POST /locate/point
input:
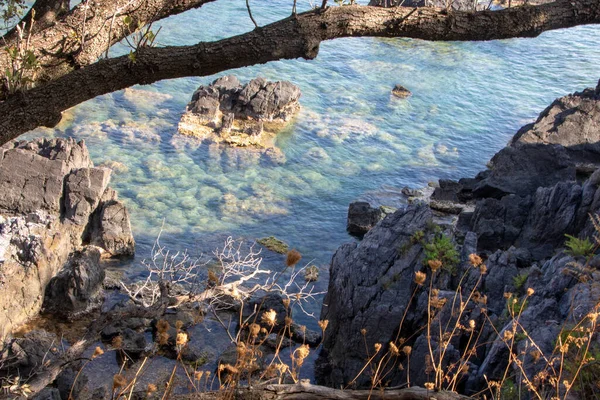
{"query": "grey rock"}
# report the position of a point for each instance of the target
(75, 288)
(362, 217)
(83, 189)
(365, 279)
(48, 393)
(111, 229)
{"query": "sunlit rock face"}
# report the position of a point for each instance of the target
(240, 115)
(53, 204)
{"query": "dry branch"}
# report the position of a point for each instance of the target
(304, 391)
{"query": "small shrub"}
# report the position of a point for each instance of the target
(579, 247)
(441, 248)
(519, 280)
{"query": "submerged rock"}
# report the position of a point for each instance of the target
(274, 244)
(240, 115)
(401, 92)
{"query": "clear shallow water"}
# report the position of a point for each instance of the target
(351, 140)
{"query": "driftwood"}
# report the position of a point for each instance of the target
(303, 391)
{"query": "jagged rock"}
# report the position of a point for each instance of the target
(362, 217)
(112, 229)
(29, 353)
(356, 298)
(49, 189)
(75, 288)
(543, 185)
(83, 190)
(240, 115)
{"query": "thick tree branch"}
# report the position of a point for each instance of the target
(83, 34)
(297, 37)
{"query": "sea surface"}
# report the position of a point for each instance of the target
(351, 140)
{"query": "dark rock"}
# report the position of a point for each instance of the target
(366, 278)
(75, 288)
(47, 393)
(401, 92)
(362, 217)
(29, 353)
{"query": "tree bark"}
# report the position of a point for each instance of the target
(313, 392)
(294, 37)
(83, 34)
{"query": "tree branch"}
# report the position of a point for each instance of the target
(297, 37)
(59, 46)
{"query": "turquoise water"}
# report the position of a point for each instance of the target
(351, 139)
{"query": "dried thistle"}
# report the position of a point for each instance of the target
(117, 342)
(394, 349)
(269, 317)
(162, 325)
(254, 330)
(293, 256)
(407, 350)
(119, 381)
(323, 324)
(178, 324)
(475, 260)
(151, 388)
(530, 291)
(182, 339)
(434, 265)
(97, 352)
(420, 278)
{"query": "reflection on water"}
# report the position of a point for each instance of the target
(351, 138)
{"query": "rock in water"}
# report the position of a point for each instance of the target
(401, 92)
(240, 115)
(362, 217)
(50, 195)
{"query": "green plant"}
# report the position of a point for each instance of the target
(141, 36)
(579, 247)
(441, 248)
(20, 73)
(519, 280)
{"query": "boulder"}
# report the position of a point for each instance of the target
(362, 217)
(76, 287)
(240, 115)
(49, 195)
(111, 229)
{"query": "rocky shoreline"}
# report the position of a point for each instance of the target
(515, 214)
(59, 219)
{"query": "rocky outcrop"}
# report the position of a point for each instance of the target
(50, 194)
(362, 217)
(537, 189)
(240, 115)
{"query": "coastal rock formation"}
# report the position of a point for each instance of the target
(240, 115)
(545, 184)
(362, 217)
(50, 193)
